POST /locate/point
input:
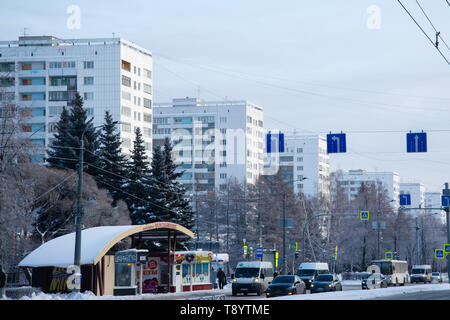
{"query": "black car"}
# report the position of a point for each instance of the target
(374, 281)
(285, 285)
(326, 282)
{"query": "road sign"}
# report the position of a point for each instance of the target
(245, 250)
(439, 253)
(405, 199)
(336, 143)
(364, 215)
(388, 255)
(289, 223)
(447, 248)
(293, 246)
(416, 142)
(445, 201)
(378, 225)
(275, 142)
(259, 252)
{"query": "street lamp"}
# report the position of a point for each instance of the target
(284, 223)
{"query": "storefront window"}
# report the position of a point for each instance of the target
(122, 275)
(185, 273)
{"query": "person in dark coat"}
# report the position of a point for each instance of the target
(2, 282)
(221, 277)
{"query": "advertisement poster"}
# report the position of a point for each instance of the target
(151, 275)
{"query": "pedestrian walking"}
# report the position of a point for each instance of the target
(2, 282)
(222, 278)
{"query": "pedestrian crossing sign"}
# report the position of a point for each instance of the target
(364, 215)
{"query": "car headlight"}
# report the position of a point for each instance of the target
(310, 280)
(312, 285)
(234, 280)
(329, 286)
(256, 280)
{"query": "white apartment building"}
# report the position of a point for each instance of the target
(351, 182)
(214, 140)
(43, 73)
(433, 200)
(417, 193)
(305, 163)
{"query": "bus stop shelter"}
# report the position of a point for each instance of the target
(50, 261)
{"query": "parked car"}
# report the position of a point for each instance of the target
(436, 276)
(374, 281)
(326, 282)
(286, 285)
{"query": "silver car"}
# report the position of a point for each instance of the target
(436, 277)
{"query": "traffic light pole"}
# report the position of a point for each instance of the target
(446, 192)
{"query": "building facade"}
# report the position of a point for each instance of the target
(213, 140)
(305, 163)
(43, 73)
(351, 182)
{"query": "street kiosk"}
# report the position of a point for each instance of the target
(128, 269)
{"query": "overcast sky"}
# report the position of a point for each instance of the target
(357, 66)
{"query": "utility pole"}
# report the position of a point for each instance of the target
(77, 256)
(417, 242)
(446, 192)
(378, 234)
(284, 233)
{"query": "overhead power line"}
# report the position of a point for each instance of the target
(423, 31)
(438, 33)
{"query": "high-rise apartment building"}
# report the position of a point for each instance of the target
(43, 73)
(351, 182)
(305, 164)
(214, 140)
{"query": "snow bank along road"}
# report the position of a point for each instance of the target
(394, 292)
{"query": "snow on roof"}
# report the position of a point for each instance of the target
(59, 252)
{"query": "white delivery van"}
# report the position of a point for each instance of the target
(308, 271)
(251, 277)
(421, 273)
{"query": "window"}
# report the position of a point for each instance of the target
(54, 111)
(126, 95)
(147, 74)
(88, 64)
(148, 145)
(147, 117)
(147, 132)
(223, 176)
(299, 150)
(61, 65)
(88, 81)
(125, 111)
(161, 120)
(126, 65)
(126, 81)
(147, 103)
(126, 127)
(223, 119)
(88, 96)
(299, 167)
(147, 88)
(300, 159)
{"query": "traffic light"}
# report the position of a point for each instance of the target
(296, 254)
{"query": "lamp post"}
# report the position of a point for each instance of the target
(284, 223)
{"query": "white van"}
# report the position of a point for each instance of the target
(308, 271)
(252, 276)
(421, 273)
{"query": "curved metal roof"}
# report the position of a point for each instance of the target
(96, 242)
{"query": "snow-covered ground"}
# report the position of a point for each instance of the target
(341, 295)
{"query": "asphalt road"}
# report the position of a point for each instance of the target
(426, 295)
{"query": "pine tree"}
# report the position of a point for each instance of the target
(111, 160)
(159, 189)
(64, 150)
(137, 185)
(79, 125)
(59, 150)
(176, 198)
